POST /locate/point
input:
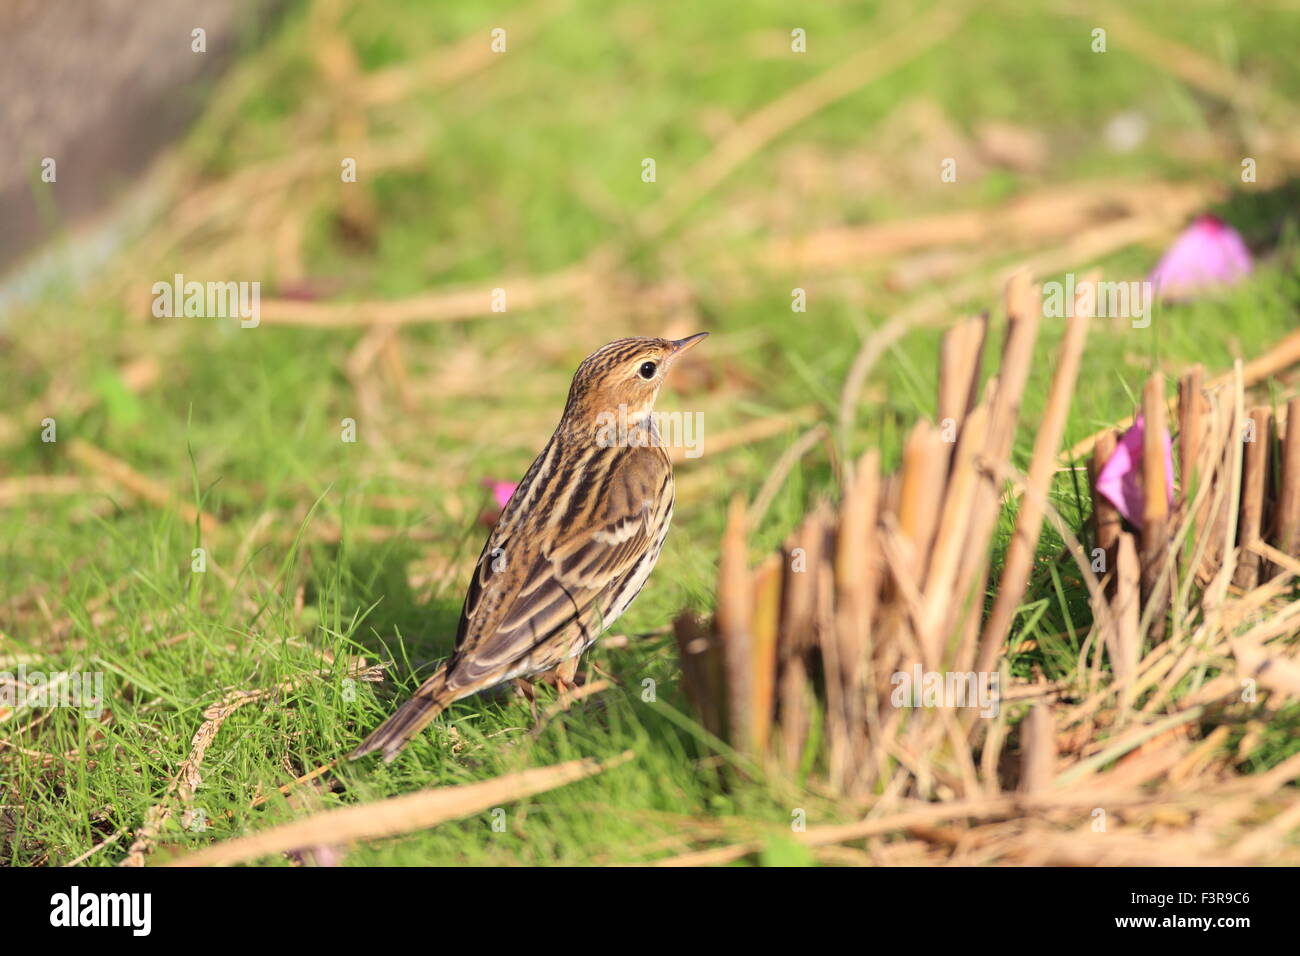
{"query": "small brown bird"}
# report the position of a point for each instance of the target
(574, 544)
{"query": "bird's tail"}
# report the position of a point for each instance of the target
(392, 735)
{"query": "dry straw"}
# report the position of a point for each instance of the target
(1192, 634)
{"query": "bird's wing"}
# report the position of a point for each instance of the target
(566, 578)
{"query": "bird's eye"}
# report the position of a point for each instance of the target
(647, 370)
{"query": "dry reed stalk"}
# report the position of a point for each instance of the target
(823, 647)
(1042, 469)
(448, 305)
(225, 206)
(794, 701)
(102, 844)
(861, 830)
(1285, 566)
(756, 130)
(1213, 525)
(1206, 641)
(1155, 503)
(766, 630)
(702, 670)
(297, 781)
(1126, 646)
(959, 373)
(801, 557)
(339, 69)
(20, 488)
(969, 614)
(856, 583)
(870, 590)
(893, 637)
(1286, 535)
(735, 628)
(1193, 474)
(565, 701)
(1195, 521)
(1276, 831)
(140, 486)
(1234, 454)
(397, 815)
(452, 63)
(901, 628)
(925, 467)
(758, 430)
(1274, 671)
(1254, 486)
(1037, 750)
(994, 739)
(840, 734)
(1023, 307)
(1191, 412)
(1198, 758)
(890, 492)
(1198, 70)
(1050, 215)
(939, 609)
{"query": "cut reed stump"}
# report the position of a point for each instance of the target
(810, 645)
(1155, 505)
(822, 657)
(1286, 524)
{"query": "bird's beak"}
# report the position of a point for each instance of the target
(681, 345)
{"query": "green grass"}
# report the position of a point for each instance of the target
(530, 165)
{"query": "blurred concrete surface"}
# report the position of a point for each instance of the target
(99, 86)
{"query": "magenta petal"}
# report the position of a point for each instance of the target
(1209, 253)
(501, 490)
(1120, 480)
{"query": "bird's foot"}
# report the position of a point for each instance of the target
(528, 691)
(566, 674)
(563, 677)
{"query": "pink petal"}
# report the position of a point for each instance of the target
(1209, 253)
(1120, 480)
(501, 490)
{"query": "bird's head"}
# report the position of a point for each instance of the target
(625, 374)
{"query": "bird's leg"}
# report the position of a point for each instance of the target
(565, 673)
(527, 690)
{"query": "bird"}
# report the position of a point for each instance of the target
(572, 547)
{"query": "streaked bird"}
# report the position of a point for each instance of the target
(574, 544)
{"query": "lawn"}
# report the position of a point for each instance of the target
(268, 553)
